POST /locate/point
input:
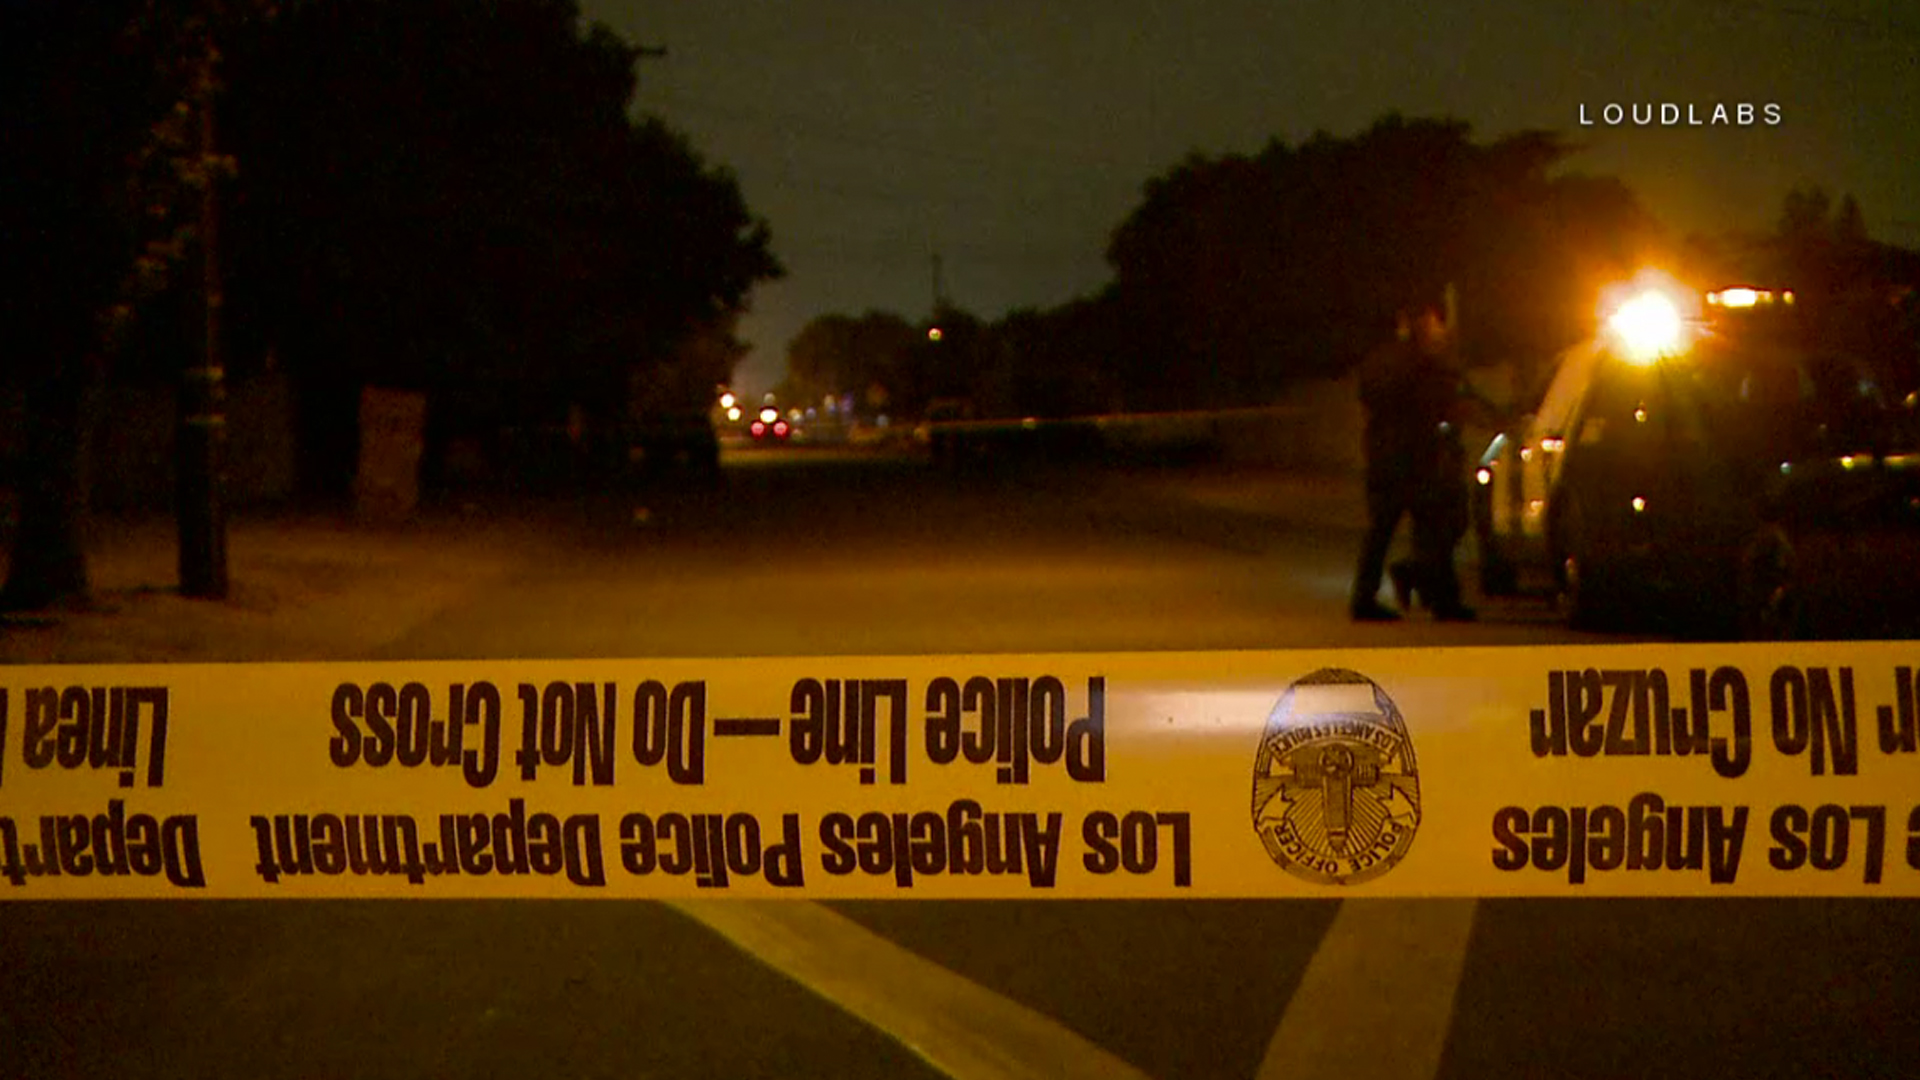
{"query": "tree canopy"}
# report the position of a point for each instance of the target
(1240, 272)
(76, 104)
(450, 195)
(837, 355)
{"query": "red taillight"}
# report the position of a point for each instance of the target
(759, 429)
(780, 429)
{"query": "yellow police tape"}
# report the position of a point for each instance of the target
(1698, 770)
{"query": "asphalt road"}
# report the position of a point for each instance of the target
(809, 553)
(804, 552)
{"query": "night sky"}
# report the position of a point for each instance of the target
(1011, 136)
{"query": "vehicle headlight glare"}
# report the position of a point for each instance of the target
(1647, 327)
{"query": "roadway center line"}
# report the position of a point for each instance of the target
(956, 1025)
(1377, 998)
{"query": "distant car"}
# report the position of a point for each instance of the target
(770, 427)
(1737, 473)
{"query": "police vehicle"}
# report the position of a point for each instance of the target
(1704, 461)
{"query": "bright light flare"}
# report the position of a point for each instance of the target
(727, 401)
(733, 413)
(769, 414)
(1648, 326)
(1484, 476)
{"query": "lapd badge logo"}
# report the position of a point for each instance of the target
(1336, 794)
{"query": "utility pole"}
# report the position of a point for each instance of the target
(200, 453)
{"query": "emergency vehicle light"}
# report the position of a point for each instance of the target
(1648, 326)
(1742, 296)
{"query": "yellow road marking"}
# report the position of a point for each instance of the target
(958, 1026)
(1377, 998)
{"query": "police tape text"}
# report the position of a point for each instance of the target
(107, 844)
(92, 727)
(1015, 722)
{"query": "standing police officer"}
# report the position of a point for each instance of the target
(1416, 465)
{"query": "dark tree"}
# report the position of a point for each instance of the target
(958, 362)
(1854, 292)
(871, 356)
(449, 196)
(77, 106)
(1055, 363)
(442, 194)
(1239, 273)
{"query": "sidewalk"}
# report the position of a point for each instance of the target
(314, 586)
(304, 587)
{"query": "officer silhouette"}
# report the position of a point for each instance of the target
(1416, 467)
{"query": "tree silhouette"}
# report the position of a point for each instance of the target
(441, 194)
(449, 196)
(67, 130)
(1236, 274)
(835, 355)
(106, 115)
